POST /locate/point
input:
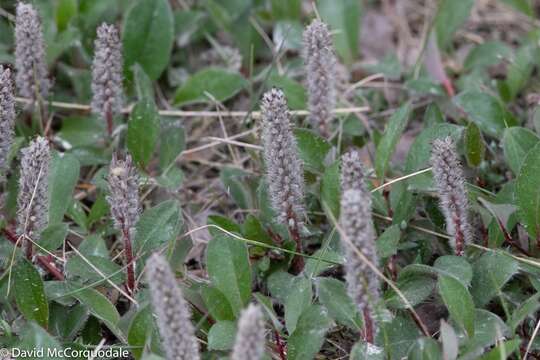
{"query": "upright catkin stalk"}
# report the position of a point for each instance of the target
(249, 342)
(107, 75)
(33, 198)
(284, 169)
(450, 183)
(320, 65)
(172, 310)
(355, 217)
(7, 119)
(30, 60)
(125, 208)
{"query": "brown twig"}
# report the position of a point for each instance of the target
(130, 284)
(368, 326)
(280, 346)
(298, 261)
(511, 241)
(46, 263)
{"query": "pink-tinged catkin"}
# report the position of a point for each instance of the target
(284, 169)
(250, 339)
(450, 183)
(125, 207)
(7, 119)
(363, 284)
(320, 62)
(172, 310)
(30, 61)
(107, 74)
(33, 198)
(352, 171)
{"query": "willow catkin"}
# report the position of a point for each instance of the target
(249, 343)
(363, 284)
(7, 119)
(450, 183)
(321, 76)
(33, 198)
(284, 169)
(30, 61)
(107, 72)
(172, 310)
(352, 171)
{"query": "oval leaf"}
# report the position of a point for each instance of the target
(29, 293)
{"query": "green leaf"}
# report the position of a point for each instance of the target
(450, 16)
(387, 243)
(210, 84)
(53, 236)
(221, 335)
(35, 338)
(294, 91)
(172, 143)
(142, 331)
(474, 145)
(459, 302)
(100, 307)
(527, 308)
(487, 54)
(234, 181)
(312, 149)
(333, 295)
(490, 273)
(425, 349)
(516, 142)
(63, 176)
(399, 335)
(228, 267)
(455, 266)
(520, 69)
(156, 228)
(485, 111)
(489, 329)
(217, 304)
(76, 267)
(415, 287)
(343, 17)
(330, 189)
(308, 337)
(147, 36)
(65, 11)
(143, 131)
(366, 351)
(503, 350)
(143, 85)
(298, 299)
(29, 293)
(66, 322)
(290, 9)
(528, 192)
(387, 144)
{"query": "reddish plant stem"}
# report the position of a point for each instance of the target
(130, 285)
(511, 241)
(46, 263)
(280, 346)
(368, 326)
(10, 236)
(386, 195)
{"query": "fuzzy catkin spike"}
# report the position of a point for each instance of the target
(284, 169)
(450, 182)
(33, 198)
(172, 310)
(363, 284)
(7, 118)
(249, 343)
(320, 64)
(352, 171)
(107, 72)
(124, 194)
(30, 60)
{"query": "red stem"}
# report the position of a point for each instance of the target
(47, 264)
(130, 285)
(280, 346)
(511, 241)
(109, 118)
(368, 326)
(298, 261)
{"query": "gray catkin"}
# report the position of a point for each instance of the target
(284, 169)
(172, 310)
(124, 194)
(33, 198)
(450, 183)
(30, 61)
(7, 118)
(320, 65)
(107, 72)
(352, 171)
(250, 340)
(363, 284)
